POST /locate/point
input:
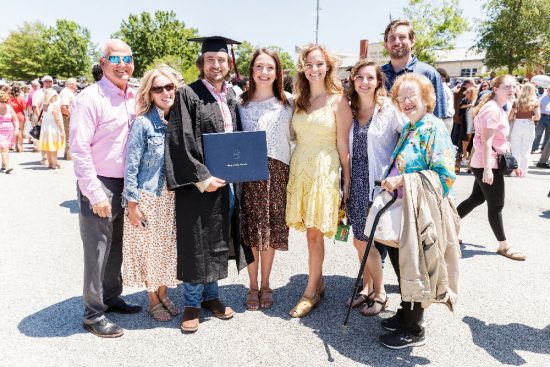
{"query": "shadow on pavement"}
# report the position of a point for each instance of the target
(34, 163)
(502, 341)
(545, 214)
(38, 168)
(72, 205)
(359, 341)
(64, 319)
(468, 252)
(539, 173)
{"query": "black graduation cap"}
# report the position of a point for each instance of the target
(215, 43)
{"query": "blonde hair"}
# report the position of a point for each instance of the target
(48, 95)
(301, 85)
(474, 91)
(427, 92)
(527, 98)
(143, 99)
(4, 97)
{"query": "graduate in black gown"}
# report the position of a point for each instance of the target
(207, 208)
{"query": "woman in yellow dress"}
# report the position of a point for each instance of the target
(321, 122)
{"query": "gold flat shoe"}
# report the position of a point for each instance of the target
(304, 306)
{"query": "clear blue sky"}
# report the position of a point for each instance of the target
(285, 23)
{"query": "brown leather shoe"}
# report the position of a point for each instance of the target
(218, 309)
(190, 320)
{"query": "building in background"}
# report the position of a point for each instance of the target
(459, 62)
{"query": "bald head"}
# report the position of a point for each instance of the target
(117, 62)
(114, 44)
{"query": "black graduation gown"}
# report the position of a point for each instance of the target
(202, 219)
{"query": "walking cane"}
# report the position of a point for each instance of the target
(364, 260)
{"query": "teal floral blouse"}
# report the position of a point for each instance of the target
(426, 145)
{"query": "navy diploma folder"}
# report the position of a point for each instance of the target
(236, 157)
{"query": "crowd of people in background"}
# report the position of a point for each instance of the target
(157, 217)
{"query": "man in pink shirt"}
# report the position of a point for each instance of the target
(99, 127)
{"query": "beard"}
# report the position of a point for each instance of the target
(404, 51)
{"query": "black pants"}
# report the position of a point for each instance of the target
(493, 194)
(409, 319)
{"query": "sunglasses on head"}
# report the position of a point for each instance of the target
(116, 59)
(160, 88)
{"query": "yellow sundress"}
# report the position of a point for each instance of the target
(313, 191)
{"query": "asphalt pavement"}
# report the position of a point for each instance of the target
(502, 317)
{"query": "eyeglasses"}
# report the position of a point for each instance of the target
(158, 90)
(411, 98)
(128, 59)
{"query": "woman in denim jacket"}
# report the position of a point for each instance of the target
(149, 244)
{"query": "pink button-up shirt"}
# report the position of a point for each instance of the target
(221, 98)
(100, 123)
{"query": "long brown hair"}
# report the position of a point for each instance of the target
(495, 83)
(301, 85)
(379, 91)
(277, 86)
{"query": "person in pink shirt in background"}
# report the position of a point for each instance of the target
(99, 128)
(491, 131)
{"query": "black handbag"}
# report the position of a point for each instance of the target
(507, 163)
(35, 131)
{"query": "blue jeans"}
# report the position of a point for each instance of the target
(543, 127)
(196, 293)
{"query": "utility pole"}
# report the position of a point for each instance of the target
(317, 25)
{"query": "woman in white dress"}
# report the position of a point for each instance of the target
(52, 133)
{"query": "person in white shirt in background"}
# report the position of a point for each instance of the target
(67, 97)
(449, 99)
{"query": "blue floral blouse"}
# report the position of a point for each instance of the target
(426, 145)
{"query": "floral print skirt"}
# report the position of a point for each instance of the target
(263, 210)
(149, 255)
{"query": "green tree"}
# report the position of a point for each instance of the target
(35, 50)
(514, 32)
(22, 52)
(189, 74)
(70, 50)
(152, 37)
(436, 26)
(286, 60)
(243, 55)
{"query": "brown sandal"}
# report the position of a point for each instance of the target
(174, 311)
(512, 253)
(375, 304)
(217, 308)
(266, 297)
(252, 300)
(360, 300)
(159, 313)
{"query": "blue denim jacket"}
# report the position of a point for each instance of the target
(145, 169)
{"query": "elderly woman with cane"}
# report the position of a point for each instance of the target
(422, 171)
